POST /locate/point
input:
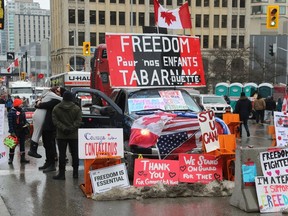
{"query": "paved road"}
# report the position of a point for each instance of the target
(26, 191)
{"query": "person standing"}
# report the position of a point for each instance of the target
(66, 117)
(9, 103)
(279, 105)
(49, 132)
(17, 127)
(243, 108)
(227, 99)
(259, 107)
(270, 108)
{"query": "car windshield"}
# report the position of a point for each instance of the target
(164, 99)
(213, 100)
(23, 90)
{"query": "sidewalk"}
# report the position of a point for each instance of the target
(3, 209)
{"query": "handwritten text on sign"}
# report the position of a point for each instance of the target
(199, 168)
(272, 193)
(209, 130)
(96, 142)
(274, 162)
(150, 172)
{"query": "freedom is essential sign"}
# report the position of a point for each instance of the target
(154, 60)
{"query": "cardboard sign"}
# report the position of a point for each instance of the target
(281, 128)
(154, 60)
(107, 178)
(272, 193)
(173, 100)
(249, 172)
(150, 172)
(274, 162)
(137, 104)
(2, 116)
(209, 130)
(199, 168)
(98, 142)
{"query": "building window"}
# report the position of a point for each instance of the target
(101, 1)
(168, 2)
(93, 17)
(224, 41)
(92, 0)
(216, 41)
(198, 3)
(71, 16)
(71, 38)
(112, 1)
(134, 19)
(141, 2)
(141, 19)
(234, 21)
(121, 18)
(233, 41)
(81, 38)
(121, 1)
(216, 3)
(81, 18)
(179, 2)
(242, 3)
(101, 17)
(113, 18)
(224, 21)
(93, 39)
(101, 38)
(151, 19)
(241, 21)
(241, 41)
(206, 41)
(216, 21)
(206, 21)
(259, 10)
(234, 3)
(206, 3)
(198, 20)
(224, 3)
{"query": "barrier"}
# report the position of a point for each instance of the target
(101, 161)
(271, 131)
(233, 122)
(244, 196)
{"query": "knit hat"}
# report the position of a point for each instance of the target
(17, 102)
(68, 96)
(242, 94)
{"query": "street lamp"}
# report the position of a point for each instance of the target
(74, 37)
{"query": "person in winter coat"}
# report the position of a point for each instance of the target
(38, 120)
(66, 117)
(49, 132)
(17, 127)
(270, 108)
(9, 103)
(259, 107)
(279, 105)
(243, 108)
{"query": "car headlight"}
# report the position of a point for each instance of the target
(145, 132)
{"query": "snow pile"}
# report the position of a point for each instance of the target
(215, 188)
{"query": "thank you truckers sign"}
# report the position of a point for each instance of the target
(146, 60)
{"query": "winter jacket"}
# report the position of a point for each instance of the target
(243, 107)
(270, 104)
(16, 120)
(48, 106)
(66, 117)
(259, 104)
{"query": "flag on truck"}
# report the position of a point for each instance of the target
(178, 18)
(13, 65)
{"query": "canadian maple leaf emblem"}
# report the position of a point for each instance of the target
(168, 17)
(149, 120)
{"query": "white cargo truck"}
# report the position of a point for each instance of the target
(22, 89)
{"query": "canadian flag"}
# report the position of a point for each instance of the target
(172, 19)
(13, 65)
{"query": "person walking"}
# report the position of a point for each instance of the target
(18, 127)
(227, 99)
(38, 120)
(270, 108)
(259, 107)
(49, 132)
(9, 103)
(243, 108)
(66, 117)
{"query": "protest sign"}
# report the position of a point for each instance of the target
(209, 130)
(272, 193)
(93, 143)
(274, 162)
(281, 128)
(107, 178)
(199, 168)
(150, 172)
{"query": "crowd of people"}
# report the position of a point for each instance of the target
(57, 119)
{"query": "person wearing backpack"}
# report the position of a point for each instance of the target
(17, 127)
(9, 103)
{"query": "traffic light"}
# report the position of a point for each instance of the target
(86, 48)
(272, 49)
(23, 75)
(272, 20)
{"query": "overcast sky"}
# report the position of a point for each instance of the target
(44, 4)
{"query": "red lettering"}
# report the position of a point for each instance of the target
(212, 125)
(210, 114)
(211, 136)
(202, 116)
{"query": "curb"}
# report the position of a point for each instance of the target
(3, 209)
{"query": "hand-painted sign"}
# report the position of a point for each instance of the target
(202, 168)
(281, 128)
(272, 193)
(107, 178)
(150, 172)
(249, 172)
(98, 142)
(138, 104)
(274, 162)
(145, 60)
(209, 130)
(173, 100)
